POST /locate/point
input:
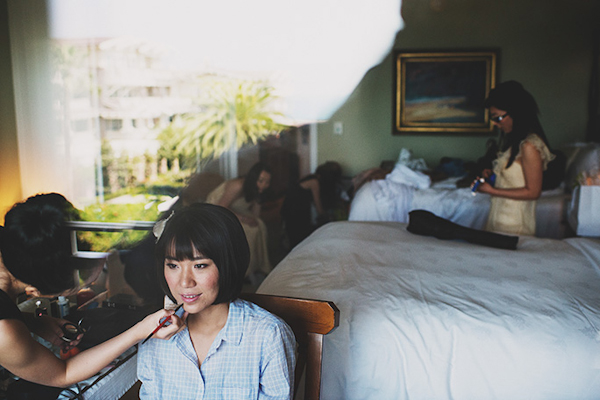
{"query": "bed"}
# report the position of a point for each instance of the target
(403, 190)
(424, 318)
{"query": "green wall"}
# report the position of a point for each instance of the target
(546, 45)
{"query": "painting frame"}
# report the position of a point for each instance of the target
(443, 91)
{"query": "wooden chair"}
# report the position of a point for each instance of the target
(310, 320)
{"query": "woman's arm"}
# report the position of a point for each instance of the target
(277, 375)
(531, 162)
(313, 185)
(30, 360)
(234, 189)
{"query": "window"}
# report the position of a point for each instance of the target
(79, 125)
(99, 73)
(113, 124)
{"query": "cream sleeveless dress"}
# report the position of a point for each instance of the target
(516, 217)
(256, 235)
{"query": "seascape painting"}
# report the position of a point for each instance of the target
(443, 92)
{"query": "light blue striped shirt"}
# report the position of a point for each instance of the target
(252, 357)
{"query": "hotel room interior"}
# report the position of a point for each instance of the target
(420, 317)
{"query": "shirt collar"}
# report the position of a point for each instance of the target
(233, 329)
(232, 332)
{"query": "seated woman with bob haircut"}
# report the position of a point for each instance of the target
(229, 348)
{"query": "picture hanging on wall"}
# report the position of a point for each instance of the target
(443, 92)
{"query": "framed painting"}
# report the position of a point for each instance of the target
(443, 92)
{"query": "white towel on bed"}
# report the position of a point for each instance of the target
(403, 175)
(388, 199)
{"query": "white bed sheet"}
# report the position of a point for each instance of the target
(423, 318)
(386, 200)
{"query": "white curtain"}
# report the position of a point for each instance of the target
(43, 157)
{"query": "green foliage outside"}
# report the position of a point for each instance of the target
(233, 113)
(144, 209)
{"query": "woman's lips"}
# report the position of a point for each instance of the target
(189, 298)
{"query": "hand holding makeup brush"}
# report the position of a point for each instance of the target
(168, 320)
(161, 324)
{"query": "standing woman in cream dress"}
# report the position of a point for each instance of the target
(242, 196)
(521, 162)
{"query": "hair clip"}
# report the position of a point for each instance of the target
(159, 226)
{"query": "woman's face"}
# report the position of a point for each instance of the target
(195, 282)
(263, 181)
(501, 119)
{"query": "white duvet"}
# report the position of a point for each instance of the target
(423, 318)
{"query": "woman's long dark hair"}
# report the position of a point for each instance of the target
(249, 188)
(511, 97)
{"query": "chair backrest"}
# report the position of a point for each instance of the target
(310, 320)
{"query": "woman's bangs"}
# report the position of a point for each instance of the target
(181, 248)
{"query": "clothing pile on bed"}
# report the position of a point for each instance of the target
(408, 188)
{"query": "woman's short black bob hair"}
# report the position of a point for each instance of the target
(36, 244)
(216, 233)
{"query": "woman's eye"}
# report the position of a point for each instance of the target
(171, 265)
(200, 266)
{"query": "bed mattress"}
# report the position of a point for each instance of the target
(423, 318)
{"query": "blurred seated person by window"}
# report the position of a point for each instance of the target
(243, 197)
(318, 194)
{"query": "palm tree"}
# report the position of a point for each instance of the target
(233, 113)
